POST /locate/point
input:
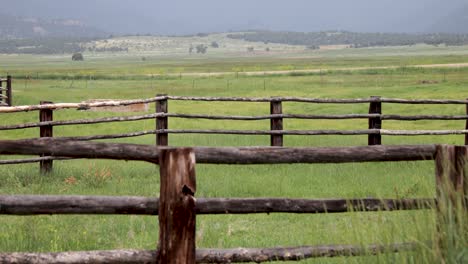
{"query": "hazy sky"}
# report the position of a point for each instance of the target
(189, 16)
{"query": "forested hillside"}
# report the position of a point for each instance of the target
(356, 40)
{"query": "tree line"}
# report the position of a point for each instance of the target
(353, 39)
(43, 45)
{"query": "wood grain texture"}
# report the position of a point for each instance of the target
(60, 204)
(46, 132)
(466, 127)
(317, 132)
(162, 122)
(80, 121)
(177, 216)
(375, 123)
(231, 117)
(9, 91)
(82, 106)
(26, 108)
(237, 255)
(276, 124)
(450, 171)
(219, 155)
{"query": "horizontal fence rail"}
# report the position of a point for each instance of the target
(47, 204)
(316, 132)
(238, 255)
(219, 155)
(241, 118)
(84, 106)
(31, 160)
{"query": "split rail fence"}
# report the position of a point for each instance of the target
(177, 208)
(276, 132)
(6, 95)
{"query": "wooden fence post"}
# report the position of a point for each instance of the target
(450, 170)
(46, 131)
(376, 122)
(276, 123)
(466, 126)
(9, 92)
(162, 139)
(451, 188)
(1, 91)
(177, 216)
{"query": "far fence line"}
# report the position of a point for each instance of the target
(6, 95)
(177, 208)
(276, 132)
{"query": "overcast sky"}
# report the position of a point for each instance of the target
(190, 16)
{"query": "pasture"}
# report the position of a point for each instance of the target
(126, 78)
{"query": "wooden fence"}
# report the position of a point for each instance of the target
(177, 208)
(276, 132)
(6, 96)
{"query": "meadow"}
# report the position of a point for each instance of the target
(125, 78)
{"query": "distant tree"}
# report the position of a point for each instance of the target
(313, 47)
(190, 50)
(214, 44)
(267, 49)
(143, 58)
(250, 49)
(77, 57)
(201, 48)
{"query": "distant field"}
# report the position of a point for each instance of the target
(169, 55)
(125, 76)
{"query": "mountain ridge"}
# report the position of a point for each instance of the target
(14, 27)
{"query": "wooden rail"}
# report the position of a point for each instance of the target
(59, 204)
(82, 106)
(31, 160)
(177, 208)
(221, 117)
(219, 155)
(237, 255)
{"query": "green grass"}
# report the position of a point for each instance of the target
(130, 66)
(97, 177)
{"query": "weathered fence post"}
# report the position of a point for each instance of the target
(450, 170)
(9, 93)
(276, 123)
(1, 91)
(466, 126)
(451, 189)
(161, 122)
(375, 122)
(46, 131)
(177, 216)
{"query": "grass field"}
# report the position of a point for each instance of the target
(96, 177)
